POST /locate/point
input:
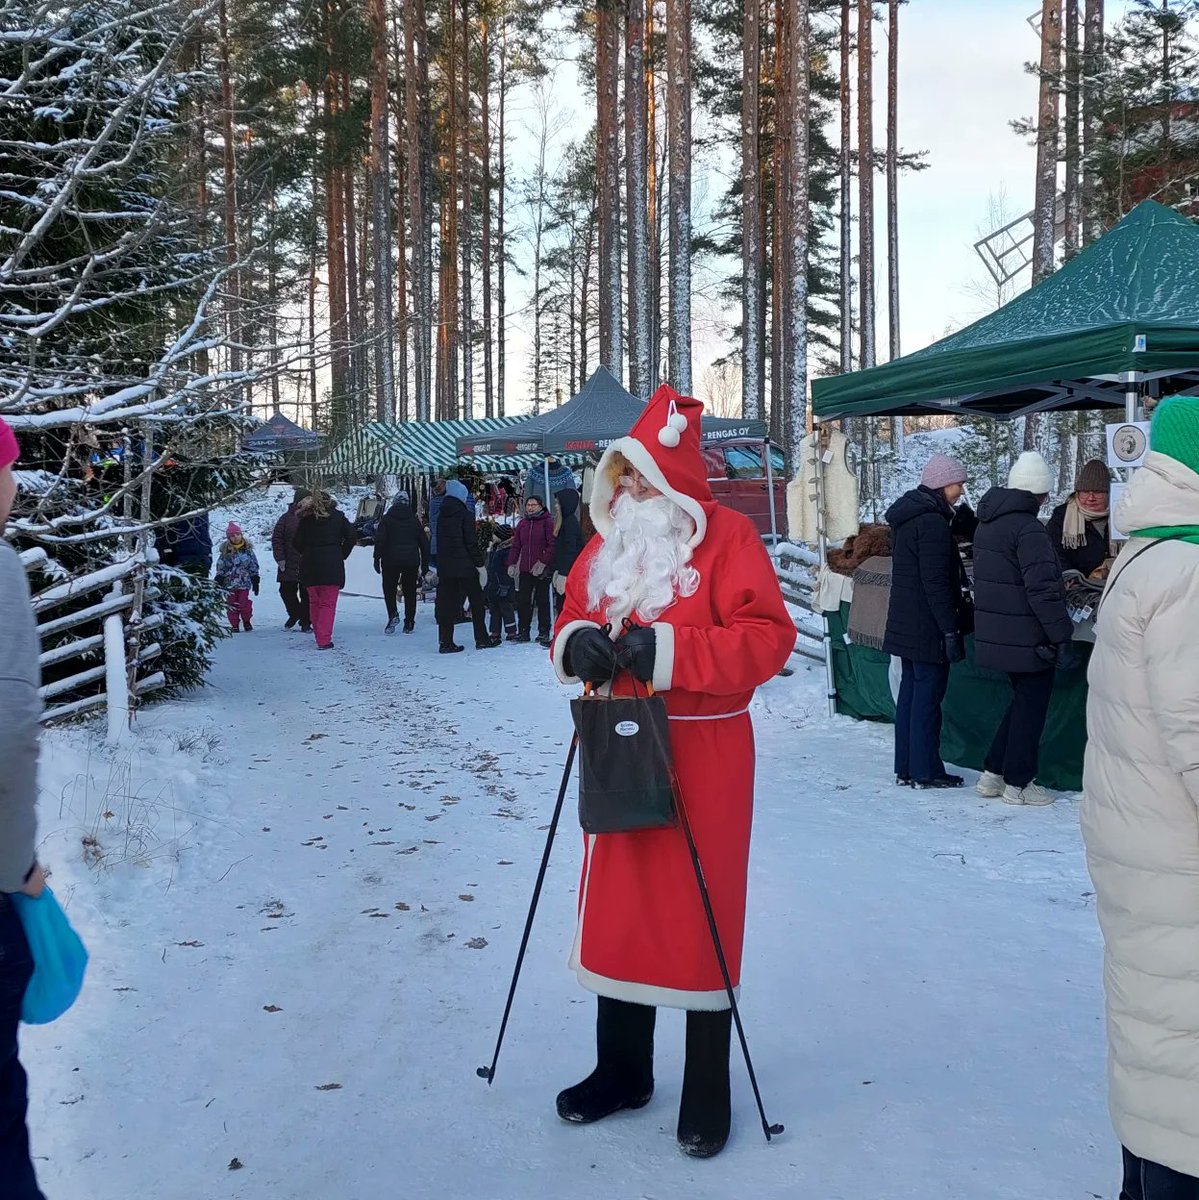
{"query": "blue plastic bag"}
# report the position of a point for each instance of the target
(59, 958)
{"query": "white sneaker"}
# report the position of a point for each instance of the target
(990, 785)
(1034, 794)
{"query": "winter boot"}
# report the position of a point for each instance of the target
(545, 640)
(450, 648)
(521, 637)
(939, 781)
(705, 1109)
(247, 626)
(486, 643)
(291, 622)
(624, 1073)
(409, 626)
(392, 625)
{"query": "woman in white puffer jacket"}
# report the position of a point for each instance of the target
(1140, 814)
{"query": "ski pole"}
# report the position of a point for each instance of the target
(488, 1073)
(767, 1128)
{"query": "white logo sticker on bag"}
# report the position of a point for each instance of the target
(627, 728)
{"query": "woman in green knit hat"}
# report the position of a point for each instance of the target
(1139, 812)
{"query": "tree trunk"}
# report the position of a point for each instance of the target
(653, 206)
(636, 188)
(468, 317)
(778, 209)
(384, 331)
(403, 411)
(485, 191)
(1072, 89)
(313, 260)
(335, 256)
(232, 283)
(1045, 201)
(607, 95)
(354, 295)
(753, 260)
(1047, 141)
(415, 47)
(846, 215)
(1092, 67)
(678, 124)
(866, 180)
(893, 201)
(449, 229)
(585, 293)
(501, 244)
(793, 301)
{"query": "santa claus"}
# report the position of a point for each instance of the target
(679, 593)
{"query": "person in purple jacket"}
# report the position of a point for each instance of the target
(529, 563)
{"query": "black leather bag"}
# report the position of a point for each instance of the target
(626, 775)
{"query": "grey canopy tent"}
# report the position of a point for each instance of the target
(280, 435)
(587, 423)
(599, 414)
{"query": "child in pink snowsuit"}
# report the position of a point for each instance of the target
(237, 573)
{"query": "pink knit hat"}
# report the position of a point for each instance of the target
(9, 450)
(232, 530)
(941, 472)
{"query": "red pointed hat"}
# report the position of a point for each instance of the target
(664, 446)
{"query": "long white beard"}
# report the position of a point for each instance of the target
(643, 567)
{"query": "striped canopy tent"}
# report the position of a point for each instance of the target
(420, 448)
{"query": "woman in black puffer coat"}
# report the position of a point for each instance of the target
(324, 538)
(926, 618)
(461, 569)
(1022, 627)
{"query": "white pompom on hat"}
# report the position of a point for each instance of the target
(1031, 473)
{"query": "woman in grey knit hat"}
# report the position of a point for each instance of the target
(1079, 528)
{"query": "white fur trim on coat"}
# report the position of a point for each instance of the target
(603, 489)
(663, 678)
(559, 651)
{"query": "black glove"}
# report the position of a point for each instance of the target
(1067, 656)
(636, 652)
(590, 656)
(254, 584)
(955, 647)
(378, 567)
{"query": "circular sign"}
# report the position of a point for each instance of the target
(1129, 443)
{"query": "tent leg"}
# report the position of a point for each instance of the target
(549, 500)
(830, 685)
(1131, 405)
(774, 525)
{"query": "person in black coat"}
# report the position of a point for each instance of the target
(1022, 627)
(568, 542)
(324, 539)
(1079, 528)
(926, 618)
(401, 557)
(461, 570)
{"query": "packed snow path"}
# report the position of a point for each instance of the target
(304, 995)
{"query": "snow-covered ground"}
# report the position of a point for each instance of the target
(304, 897)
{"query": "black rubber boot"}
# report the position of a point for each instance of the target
(624, 1073)
(704, 1111)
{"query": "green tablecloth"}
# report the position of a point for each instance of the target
(974, 707)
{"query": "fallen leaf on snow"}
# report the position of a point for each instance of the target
(401, 906)
(477, 943)
(466, 896)
(271, 1008)
(235, 1164)
(328, 1087)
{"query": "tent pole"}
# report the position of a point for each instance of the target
(549, 502)
(774, 525)
(830, 686)
(1131, 400)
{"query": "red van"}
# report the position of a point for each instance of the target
(737, 477)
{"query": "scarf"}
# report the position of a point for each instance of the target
(1175, 533)
(1074, 527)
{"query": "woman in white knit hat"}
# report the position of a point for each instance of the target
(1021, 625)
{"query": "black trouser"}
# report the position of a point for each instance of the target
(17, 1181)
(918, 721)
(1151, 1181)
(1015, 751)
(295, 600)
(503, 617)
(450, 595)
(534, 589)
(395, 578)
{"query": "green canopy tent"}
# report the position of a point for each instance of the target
(416, 448)
(1122, 313)
(1120, 317)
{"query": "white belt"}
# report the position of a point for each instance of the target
(713, 716)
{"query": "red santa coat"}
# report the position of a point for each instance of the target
(642, 934)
